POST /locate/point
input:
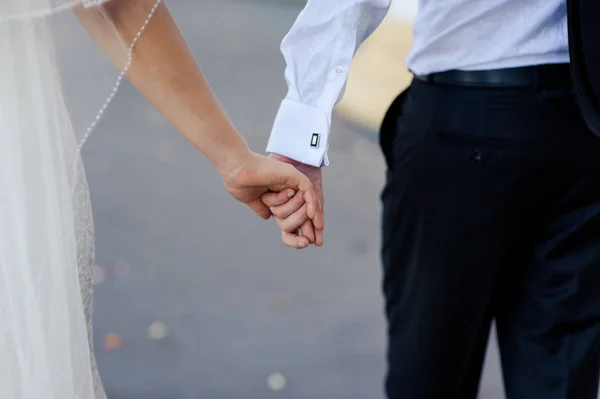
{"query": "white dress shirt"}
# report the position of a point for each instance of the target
(448, 34)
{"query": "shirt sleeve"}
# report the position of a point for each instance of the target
(318, 52)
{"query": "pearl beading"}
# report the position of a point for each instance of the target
(116, 86)
(121, 76)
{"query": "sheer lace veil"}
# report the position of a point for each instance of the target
(55, 85)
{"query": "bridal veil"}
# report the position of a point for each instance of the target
(55, 86)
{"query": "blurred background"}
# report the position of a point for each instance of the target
(195, 296)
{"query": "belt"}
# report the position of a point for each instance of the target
(546, 76)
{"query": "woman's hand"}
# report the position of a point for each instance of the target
(255, 175)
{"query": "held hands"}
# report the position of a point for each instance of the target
(254, 176)
(292, 214)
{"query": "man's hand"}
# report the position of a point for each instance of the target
(290, 214)
(253, 175)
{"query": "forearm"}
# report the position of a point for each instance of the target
(318, 51)
(166, 74)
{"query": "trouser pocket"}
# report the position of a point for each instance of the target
(387, 131)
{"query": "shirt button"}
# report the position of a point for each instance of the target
(339, 71)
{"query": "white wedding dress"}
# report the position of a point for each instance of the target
(46, 228)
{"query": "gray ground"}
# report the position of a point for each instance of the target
(238, 305)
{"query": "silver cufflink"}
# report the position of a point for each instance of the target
(314, 140)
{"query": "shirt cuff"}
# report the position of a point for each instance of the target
(300, 132)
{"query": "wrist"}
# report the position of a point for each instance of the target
(314, 173)
(231, 158)
(290, 161)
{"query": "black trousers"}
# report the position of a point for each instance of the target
(491, 211)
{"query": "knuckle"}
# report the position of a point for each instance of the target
(278, 212)
(298, 200)
(306, 232)
(266, 200)
(289, 228)
(269, 199)
(302, 213)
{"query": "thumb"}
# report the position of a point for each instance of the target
(261, 209)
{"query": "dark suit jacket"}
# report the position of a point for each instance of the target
(584, 53)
